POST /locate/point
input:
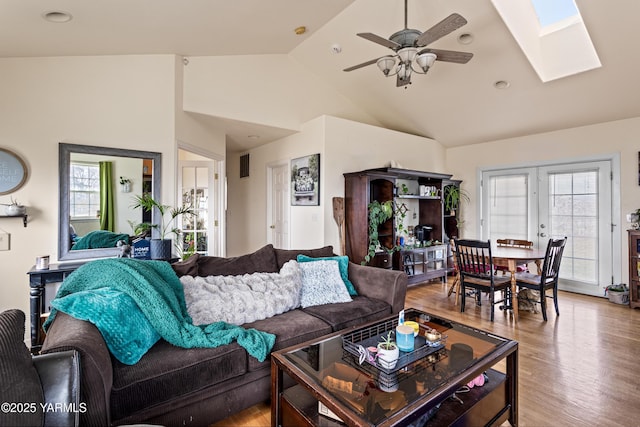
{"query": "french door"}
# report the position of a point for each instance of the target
(539, 203)
(197, 184)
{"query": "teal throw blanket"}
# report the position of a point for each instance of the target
(157, 292)
(99, 239)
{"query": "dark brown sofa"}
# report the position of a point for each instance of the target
(174, 386)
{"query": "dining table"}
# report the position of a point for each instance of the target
(510, 257)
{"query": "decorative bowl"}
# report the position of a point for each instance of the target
(433, 336)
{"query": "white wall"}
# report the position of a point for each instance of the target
(583, 142)
(344, 146)
(122, 102)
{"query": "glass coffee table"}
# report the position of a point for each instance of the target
(336, 377)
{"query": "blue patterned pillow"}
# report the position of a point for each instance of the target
(322, 284)
(343, 265)
(125, 329)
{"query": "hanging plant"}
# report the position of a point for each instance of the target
(453, 195)
(379, 213)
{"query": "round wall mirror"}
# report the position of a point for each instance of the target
(13, 171)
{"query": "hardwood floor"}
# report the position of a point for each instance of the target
(576, 369)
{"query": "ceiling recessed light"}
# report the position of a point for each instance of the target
(465, 38)
(501, 84)
(57, 16)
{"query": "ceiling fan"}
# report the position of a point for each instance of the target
(406, 44)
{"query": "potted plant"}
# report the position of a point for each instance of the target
(618, 294)
(379, 213)
(14, 208)
(452, 196)
(388, 352)
(160, 247)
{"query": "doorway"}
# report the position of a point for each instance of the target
(278, 181)
(575, 200)
(200, 186)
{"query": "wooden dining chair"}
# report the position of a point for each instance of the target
(455, 285)
(476, 268)
(514, 243)
(548, 279)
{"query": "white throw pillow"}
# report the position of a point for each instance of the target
(322, 283)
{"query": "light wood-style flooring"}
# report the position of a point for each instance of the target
(581, 368)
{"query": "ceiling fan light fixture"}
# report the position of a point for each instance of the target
(426, 60)
(404, 72)
(407, 54)
(386, 64)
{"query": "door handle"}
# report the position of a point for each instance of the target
(543, 235)
(272, 226)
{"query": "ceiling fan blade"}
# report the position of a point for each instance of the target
(450, 55)
(441, 29)
(364, 64)
(380, 40)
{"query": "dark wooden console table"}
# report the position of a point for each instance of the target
(38, 279)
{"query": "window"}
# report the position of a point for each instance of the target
(84, 197)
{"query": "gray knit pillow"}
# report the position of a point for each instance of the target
(322, 284)
(20, 389)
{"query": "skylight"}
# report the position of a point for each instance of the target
(552, 35)
(554, 11)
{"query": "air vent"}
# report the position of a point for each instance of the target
(244, 165)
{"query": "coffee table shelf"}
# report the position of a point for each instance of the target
(300, 408)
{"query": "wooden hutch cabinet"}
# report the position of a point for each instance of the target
(418, 195)
(634, 268)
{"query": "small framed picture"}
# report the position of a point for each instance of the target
(305, 181)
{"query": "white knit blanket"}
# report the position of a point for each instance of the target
(242, 299)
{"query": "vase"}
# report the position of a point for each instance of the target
(160, 249)
(387, 359)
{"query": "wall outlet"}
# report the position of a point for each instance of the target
(4, 241)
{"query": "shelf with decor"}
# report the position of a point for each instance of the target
(416, 197)
(23, 216)
(634, 268)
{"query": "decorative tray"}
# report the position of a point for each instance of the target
(358, 341)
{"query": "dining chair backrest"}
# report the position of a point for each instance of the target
(516, 243)
(552, 258)
(474, 258)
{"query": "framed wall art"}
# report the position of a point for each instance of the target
(13, 171)
(305, 181)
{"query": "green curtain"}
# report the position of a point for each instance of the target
(107, 214)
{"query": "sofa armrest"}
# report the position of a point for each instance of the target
(59, 374)
(96, 377)
(380, 283)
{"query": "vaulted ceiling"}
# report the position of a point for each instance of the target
(454, 104)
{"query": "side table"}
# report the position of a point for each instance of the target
(38, 279)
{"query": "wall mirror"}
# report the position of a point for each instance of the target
(85, 172)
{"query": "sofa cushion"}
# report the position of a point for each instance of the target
(20, 382)
(189, 267)
(357, 312)
(322, 284)
(343, 265)
(263, 261)
(284, 255)
(167, 372)
(290, 328)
